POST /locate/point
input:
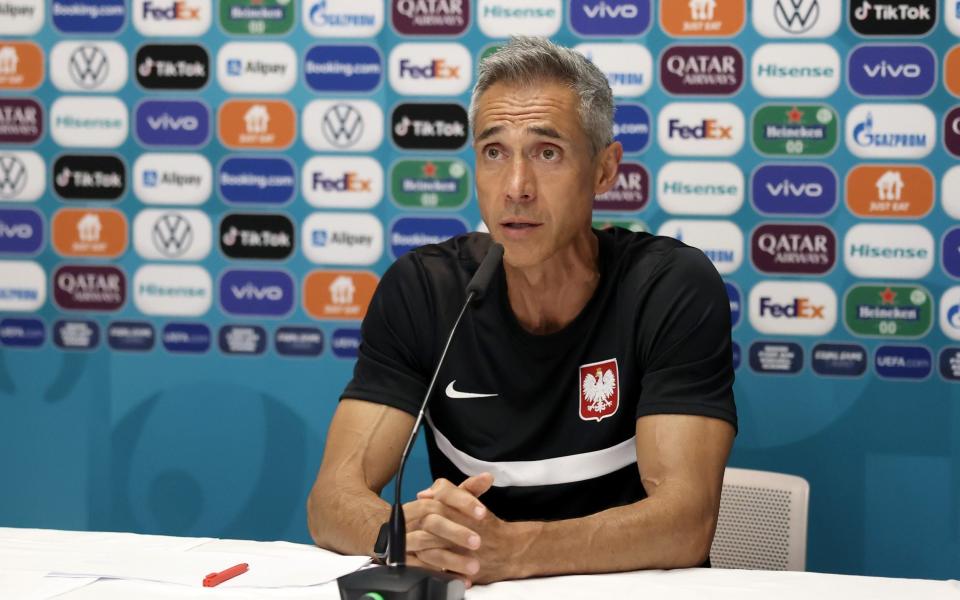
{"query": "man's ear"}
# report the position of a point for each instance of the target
(607, 163)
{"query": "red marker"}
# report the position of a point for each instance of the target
(217, 578)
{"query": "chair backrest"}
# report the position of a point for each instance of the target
(762, 522)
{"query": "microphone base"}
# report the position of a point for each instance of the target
(399, 583)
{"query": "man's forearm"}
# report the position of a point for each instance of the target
(345, 519)
(658, 532)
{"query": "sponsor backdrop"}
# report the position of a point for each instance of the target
(197, 198)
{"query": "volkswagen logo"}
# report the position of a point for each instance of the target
(172, 235)
(342, 125)
(89, 66)
(13, 176)
(797, 16)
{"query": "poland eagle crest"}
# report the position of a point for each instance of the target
(599, 390)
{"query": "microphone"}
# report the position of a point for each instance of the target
(396, 580)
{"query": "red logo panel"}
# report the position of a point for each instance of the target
(599, 390)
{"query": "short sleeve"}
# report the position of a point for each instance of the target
(684, 340)
(396, 340)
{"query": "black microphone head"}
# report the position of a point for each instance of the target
(488, 266)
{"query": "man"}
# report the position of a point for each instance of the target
(584, 414)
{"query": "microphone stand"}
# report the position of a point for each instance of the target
(396, 580)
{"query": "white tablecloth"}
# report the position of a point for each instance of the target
(22, 576)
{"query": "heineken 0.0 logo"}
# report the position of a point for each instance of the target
(435, 183)
(256, 17)
(889, 311)
(795, 130)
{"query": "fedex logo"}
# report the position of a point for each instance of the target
(350, 182)
(707, 129)
(800, 308)
(437, 68)
(178, 11)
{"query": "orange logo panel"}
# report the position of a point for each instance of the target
(702, 17)
(21, 65)
(951, 71)
(257, 124)
(100, 232)
(338, 295)
(898, 191)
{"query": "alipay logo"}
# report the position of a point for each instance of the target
(342, 238)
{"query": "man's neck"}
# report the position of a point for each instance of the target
(547, 297)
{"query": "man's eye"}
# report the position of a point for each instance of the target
(549, 153)
(492, 153)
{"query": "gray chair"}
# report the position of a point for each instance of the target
(762, 522)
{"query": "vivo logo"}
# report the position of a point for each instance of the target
(166, 121)
(252, 292)
(885, 69)
(794, 189)
(172, 123)
(788, 189)
(623, 11)
(256, 292)
(892, 70)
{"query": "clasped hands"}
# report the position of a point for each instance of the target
(449, 529)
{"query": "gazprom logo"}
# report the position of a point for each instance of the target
(720, 241)
(899, 131)
(628, 67)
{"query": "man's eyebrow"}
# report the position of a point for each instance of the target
(488, 132)
(549, 132)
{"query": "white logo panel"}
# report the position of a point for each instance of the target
(172, 234)
(257, 67)
(951, 16)
(950, 192)
(504, 18)
(797, 18)
(172, 291)
(899, 131)
(342, 182)
(171, 178)
(793, 308)
(628, 67)
(343, 125)
(950, 313)
(701, 129)
(343, 18)
(888, 251)
(430, 69)
(23, 176)
(88, 66)
(21, 17)
(796, 70)
(700, 188)
(89, 122)
(23, 286)
(175, 18)
(342, 238)
(720, 241)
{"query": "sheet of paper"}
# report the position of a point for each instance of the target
(35, 585)
(189, 568)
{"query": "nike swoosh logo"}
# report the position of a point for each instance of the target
(452, 393)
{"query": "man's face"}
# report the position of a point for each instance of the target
(536, 176)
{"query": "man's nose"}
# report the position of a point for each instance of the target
(521, 185)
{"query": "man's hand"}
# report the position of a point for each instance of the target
(448, 528)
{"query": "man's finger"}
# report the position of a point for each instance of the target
(458, 499)
(478, 484)
(413, 561)
(442, 559)
(455, 534)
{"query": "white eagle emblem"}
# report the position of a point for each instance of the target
(599, 390)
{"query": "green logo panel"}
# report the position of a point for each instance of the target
(889, 311)
(257, 17)
(795, 130)
(440, 183)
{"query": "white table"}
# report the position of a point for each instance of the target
(18, 547)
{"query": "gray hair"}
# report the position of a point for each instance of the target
(533, 59)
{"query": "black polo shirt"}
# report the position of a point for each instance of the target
(552, 416)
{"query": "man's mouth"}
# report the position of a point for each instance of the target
(519, 225)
